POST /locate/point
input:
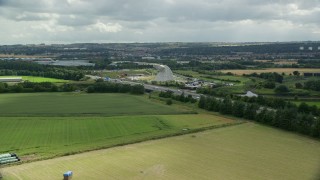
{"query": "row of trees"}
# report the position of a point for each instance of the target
(100, 87)
(181, 97)
(279, 103)
(309, 63)
(27, 87)
(22, 68)
(275, 77)
(311, 85)
(108, 87)
(285, 118)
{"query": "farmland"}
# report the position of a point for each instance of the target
(213, 133)
(45, 125)
(38, 79)
(278, 70)
(43, 137)
(217, 78)
(247, 151)
(79, 104)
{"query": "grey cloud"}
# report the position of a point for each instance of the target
(75, 20)
(177, 10)
(144, 20)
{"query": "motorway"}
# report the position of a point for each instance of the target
(164, 89)
(160, 88)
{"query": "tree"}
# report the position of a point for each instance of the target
(238, 108)
(226, 106)
(316, 128)
(137, 89)
(269, 84)
(250, 111)
(296, 73)
(304, 108)
(281, 89)
(90, 89)
(2, 87)
(17, 88)
(202, 102)
(168, 101)
(298, 85)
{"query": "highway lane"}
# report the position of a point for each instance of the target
(160, 88)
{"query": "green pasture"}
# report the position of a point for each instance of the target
(117, 74)
(80, 104)
(38, 79)
(42, 137)
(309, 102)
(247, 151)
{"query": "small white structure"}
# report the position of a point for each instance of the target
(250, 94)
(11, 79)
(148, 58)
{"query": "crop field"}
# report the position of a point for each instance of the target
(79, 104)
(117, 74)
(222, 78)
(42, 137)
(278, 70)
(45, 125)
(38, 79)
(246, 151)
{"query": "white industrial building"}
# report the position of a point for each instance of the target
(11, 79)
(164, 74)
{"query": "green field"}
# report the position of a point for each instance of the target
(247, 151)
(45, 125)
(39, 137)
(50, 125)
(79, 104)
(38, 79)
(310, 103)
(217, 78)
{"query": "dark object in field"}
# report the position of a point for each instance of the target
(67, 175)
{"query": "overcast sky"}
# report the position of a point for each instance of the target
(70, 21)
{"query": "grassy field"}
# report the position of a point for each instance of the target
(79, 104)
(45, 125)
(42, 137)
(38, 79)
(310, 103)
(247, 151)
(117, 74)
(278, 70)
(222, 78)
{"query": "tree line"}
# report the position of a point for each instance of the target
(181, 97)
(292, 118)
(108, 87)
(22, 68)
(29, 87)
(98, 87)
(270, 76)
(310, 85)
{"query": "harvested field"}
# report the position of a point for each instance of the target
(247, 151)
